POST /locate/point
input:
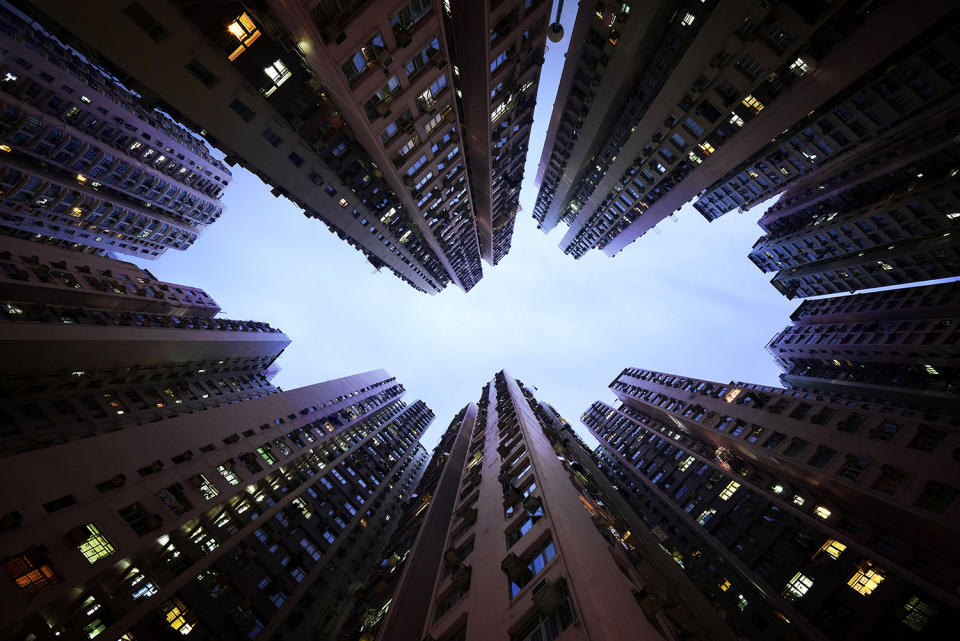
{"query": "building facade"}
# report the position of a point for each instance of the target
(712, 84)
(81, 161)
(886, 214)
(893, 344)
(517, 535)
(354, 111)
(801, 515)
(251, 520)
(92, 344)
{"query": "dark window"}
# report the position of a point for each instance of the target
(242, 110)
(145, 21)
(201, 73)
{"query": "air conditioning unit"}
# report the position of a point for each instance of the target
(512, 565)
(548, 596)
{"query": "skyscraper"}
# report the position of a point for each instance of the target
(354, 111)
(83, 162)
(249, 520)
(886, 214)
(802, 515)
(706, 87)
(892, 345)
(92, 344)
(513, 536)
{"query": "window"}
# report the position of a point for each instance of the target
(502, 58)
(450, 599)
(207, 489)
(29, 572)
(145, 21)
(866, 579)
(295, 158)
(917, 614)
(201, 73)
(95, 546)
(245, 31)
(517, 532)
(822, 512)
(272, 137)
(278, 74)
(798, 586)
(832, 548)
(753, 103)
(728, 491)
(538, 561)
(706, 515)
(242, 110)
(177, 616)
(228, 474)
(688, 20)
(265, 452)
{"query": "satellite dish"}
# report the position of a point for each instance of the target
(555, 32)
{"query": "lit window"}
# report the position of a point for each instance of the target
(736, 120)
(777, 489)
(278, 74)
(799, 585)
(732, 395)
(931, 369)
(708, 149)
(6, 148)
(245, 31)
(728, 491)
(822, 512)
(343, 202)
(705, 516)
(833, 548)
(228, 474)
(688, 20)
(741, 602)
(799, 67)
(685, 463)
(918, 614)
(798, 500)
(30, 574)
(724, 585)
(866, 579)
(207, 489)
(753, 104)
(176, 614)
(96, 546)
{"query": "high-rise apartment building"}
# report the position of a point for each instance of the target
(393, 122)
(83, 162)
(887, 215)
(893, 345)
(676, 94)
(516, 535)
(92, 344)
(251, 520)
(800, 515)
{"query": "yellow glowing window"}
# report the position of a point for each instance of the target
(753, 103)
(732, 395)
(96, 546)
(724, 585)
(728, 491)
(29, 576)
(685, 463)
(822, 512)
(708, 149)
(5, 148)
(833, 548)
(866, 580)
(245, 31)
(799, 585)
(176, 614)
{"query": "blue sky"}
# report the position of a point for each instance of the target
(685, 300)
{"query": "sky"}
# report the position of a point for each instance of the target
(682, 299)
